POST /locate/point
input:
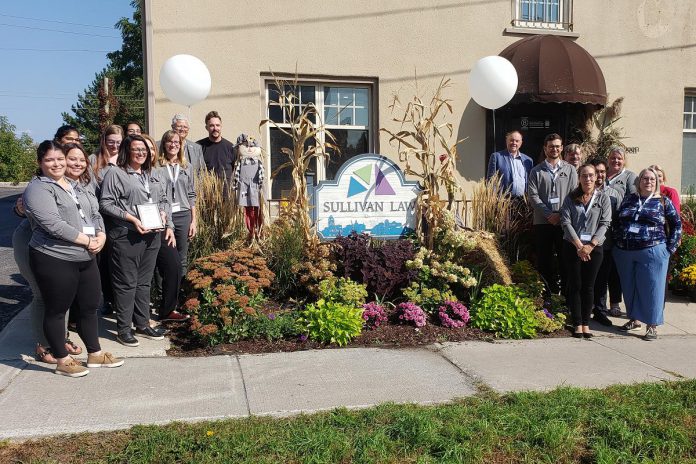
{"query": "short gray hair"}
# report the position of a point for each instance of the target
(618, 149)
(179, 117)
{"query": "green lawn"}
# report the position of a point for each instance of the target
(640, 423)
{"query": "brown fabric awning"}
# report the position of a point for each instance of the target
(555, 69)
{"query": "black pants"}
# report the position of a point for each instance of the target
(608, 276)
(549, 242)
(581, 277)
(169, 268)
(133, 258)
(182, 222)
(61, 282)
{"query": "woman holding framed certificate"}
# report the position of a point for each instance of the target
(133, 198)
(67, 231)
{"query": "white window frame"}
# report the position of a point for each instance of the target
(565, 16)
(319, 85)
(691, 129)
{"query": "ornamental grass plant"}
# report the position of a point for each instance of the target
(220, 221)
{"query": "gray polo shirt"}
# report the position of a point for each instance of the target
(184, 191)
(586, 222)
(615, 198)
(123, 189)
(55, 218)
(624, 183)
(544, 185)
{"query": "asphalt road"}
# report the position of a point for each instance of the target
(14, 293)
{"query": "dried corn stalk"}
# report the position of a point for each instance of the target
(601, 131)
(303, 129)
(425, 149)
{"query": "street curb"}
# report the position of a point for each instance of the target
(13, 185)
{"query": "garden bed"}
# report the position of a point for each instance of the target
(392, 335)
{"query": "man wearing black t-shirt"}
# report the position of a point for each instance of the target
(218, 152)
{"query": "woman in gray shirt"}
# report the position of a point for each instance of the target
(127, 191)
(585, 218)
(67, 231)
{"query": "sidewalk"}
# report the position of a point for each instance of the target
(152, 388)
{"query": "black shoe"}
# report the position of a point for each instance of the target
(577, 334)
(127, 339)
(600, 317)
(149, 332)
(587, 334)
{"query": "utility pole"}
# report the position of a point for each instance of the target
(104, 106)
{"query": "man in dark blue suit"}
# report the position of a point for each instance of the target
(512, 164)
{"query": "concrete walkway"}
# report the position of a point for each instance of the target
(152, 388)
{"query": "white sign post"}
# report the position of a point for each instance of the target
(369, 194)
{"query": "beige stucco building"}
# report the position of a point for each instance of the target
(355, 54)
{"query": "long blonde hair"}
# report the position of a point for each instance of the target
(167, 137)
(103, 154)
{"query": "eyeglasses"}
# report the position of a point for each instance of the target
(138, 150)
(648, 179)
(174, 144)
(181, 128)
(113, 142)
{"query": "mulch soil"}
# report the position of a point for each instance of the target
(389, 335)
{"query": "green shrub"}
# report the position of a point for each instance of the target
(285, 249)
(547, 322)
(343, 291)
(330, 322)
(429, 299)
(683, 258)
(506, 311)
(527, 278)
(274, 326)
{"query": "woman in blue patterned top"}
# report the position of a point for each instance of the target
(647, 232)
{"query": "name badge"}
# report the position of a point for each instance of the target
(585, 237)
(89, 230)
(554, 201)
(176, 207)
(634, 229)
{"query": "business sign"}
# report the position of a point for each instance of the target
(369, 194)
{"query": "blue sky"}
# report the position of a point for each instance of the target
(36, 85)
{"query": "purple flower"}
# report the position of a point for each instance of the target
(302, 338)
(548, 314)
(453, 314)
(411, 312)
(271, 316)
(374, 315)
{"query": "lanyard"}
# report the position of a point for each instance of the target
(609, 181)
(73, 195)
(142, 177)
(641, 204)
(553, 174)
(173, 178)
(592, 200)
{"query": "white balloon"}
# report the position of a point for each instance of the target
(185, 79)
(492, 82)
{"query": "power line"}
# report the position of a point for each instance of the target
(63, 32)
(56, 21)
(51, 50)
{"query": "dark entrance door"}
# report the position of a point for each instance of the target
(535, 121)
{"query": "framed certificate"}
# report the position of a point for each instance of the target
(149, 216)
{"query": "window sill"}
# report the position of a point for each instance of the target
(534, 31)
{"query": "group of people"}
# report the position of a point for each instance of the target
(597, 226)
(99, 227)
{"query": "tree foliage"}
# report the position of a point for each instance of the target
(126, 90)
(17, 160)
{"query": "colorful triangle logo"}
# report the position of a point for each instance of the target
(382, 185)
(355, 187)
(364, 173)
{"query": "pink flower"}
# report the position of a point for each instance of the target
(411, 312)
